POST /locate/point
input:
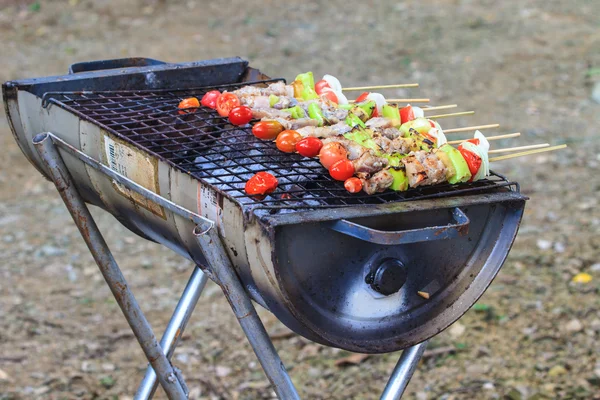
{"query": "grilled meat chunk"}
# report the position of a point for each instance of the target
(379, 182)
(325, 131)
(354, 149)
(424, 168)
(379, 123)
(269, 113)
(369, 163)
(276, 88)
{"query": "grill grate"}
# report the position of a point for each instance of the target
(206, 146)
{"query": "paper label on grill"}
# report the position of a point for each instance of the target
(210, 205)
(137, 166)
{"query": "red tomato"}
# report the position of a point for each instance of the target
(375, 113)
(353, 185)
(226, 102)
(309, 147)
(406, 114)
(322, 84)
(474, 141)
(342, 170)
(210, 99)
(261, 183)
(188, 105)
(240, 115)
(362, 97)
(331, 153)
(286, 141)
(472, 159)
(267, 130)
(329, 95)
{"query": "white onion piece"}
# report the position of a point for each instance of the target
(379, 101)
(473, 148)
(333, 82)
(484, 146)
(340, 96)
(418, 112)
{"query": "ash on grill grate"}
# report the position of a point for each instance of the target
(205, 145)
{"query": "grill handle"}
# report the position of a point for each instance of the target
(113, 64)
(458, 228)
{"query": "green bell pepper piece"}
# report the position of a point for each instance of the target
(367, 107)
(363, 138)
(315, 112)
(393, 114)
(273, 100)
(308, 82)
(352, 120)
(307, 79)
(296, 111)
(394, 160)
(346, 106)
(400, 183)
(461, 168)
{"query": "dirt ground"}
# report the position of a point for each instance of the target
(529, 65)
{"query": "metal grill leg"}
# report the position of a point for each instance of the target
(403, 371)
(108, 266)
(181, 315)
(221, 267)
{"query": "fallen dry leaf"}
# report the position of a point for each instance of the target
(352, 359)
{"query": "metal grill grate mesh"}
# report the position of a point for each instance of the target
(206, 146)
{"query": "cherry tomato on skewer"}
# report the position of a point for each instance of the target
(267, 130)
(226, 102)
(210, 99)
(261, 183)
(331, 153)
(309, 146)
(342, 170)
(286, 141)
(353, 185)
(188, 105)
(240, 115)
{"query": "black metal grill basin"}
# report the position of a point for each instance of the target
(343, 270)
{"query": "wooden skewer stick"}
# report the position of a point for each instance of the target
(401, 101)
(508, 149)
(489, 138)
(471, 128)
(401, 85)
(451, 114)
(439, 107)
(527, 153)
(407, 100)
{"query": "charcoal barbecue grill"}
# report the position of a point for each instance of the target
(340, 269)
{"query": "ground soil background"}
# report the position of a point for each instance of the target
(529, 65)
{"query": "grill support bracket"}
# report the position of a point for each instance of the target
(221, 270)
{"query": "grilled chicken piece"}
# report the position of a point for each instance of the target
(297, 124)
(415, 171)
(379, 182)
(325, 131)
(369, 163)
(436, 170)
(354, 149)
(391, 133)
(276, 88)
(269, 113)
(379, 123)
(424, 168)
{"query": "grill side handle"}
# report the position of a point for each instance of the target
(458, 227)
(116, 63)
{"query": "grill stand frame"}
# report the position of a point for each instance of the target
(220, 270)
